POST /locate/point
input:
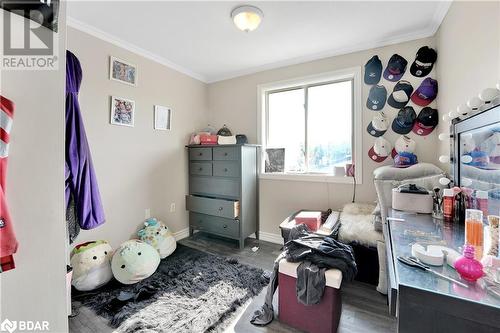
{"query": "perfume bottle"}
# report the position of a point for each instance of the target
(469, 268)
(474, 231)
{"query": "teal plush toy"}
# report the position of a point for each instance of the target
(134, 261)
(157, 234)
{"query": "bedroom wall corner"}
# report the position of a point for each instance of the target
(468, 45)
(137, 168)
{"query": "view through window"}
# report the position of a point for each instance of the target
(312, 124)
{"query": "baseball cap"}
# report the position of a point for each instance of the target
(404, 121)
(373, 70)
(395, 69)
(426, 92)
(378, 126)
(405, 159)
(424, 61)
(427, 120)
(376, 98)
(380, 150)
(400, 95)
(403, 144)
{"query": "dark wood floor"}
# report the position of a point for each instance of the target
(363, 308)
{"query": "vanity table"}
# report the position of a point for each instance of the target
(423, 302)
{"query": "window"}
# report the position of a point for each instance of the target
(312, 121)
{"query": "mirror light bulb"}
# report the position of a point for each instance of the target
(444, 181)
(474, 103)
(452, 114)
(443, 136)
(489, 94)
(466, 159)
(463, 111)
(444, 159)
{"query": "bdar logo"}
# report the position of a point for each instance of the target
(8, 326)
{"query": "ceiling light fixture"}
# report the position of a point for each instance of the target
(247, 18)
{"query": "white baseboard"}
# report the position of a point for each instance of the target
(181, 234)
(269, 237)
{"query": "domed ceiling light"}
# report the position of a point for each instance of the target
(247, 18)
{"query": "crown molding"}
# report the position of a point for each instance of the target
(79, 25)
(427, 32)
(431, 30)
(439, 15)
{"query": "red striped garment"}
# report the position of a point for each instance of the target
(8, 241)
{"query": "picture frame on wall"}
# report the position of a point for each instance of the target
(163, 118)
(122, 111)
(122, 71)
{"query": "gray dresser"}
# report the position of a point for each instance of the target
(222, 196)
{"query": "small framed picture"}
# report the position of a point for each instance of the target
(163, 118)
(122, 111)
(275, 160)
(122, 71)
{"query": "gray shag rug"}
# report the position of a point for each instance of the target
(191, 291)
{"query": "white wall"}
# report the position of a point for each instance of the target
(137, 168)
(35, 289)
(468, 43)
(234, 102)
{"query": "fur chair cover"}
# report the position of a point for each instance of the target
(356, 225)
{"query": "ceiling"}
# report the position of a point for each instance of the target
(199, 38)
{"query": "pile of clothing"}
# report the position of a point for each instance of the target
(316, 254)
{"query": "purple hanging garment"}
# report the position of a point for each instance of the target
(81, 180)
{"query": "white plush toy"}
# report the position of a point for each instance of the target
(91, 262)
(134, 261)
(468, 144)
(157, 234)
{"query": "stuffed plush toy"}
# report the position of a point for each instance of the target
(157, 234)
(134, 261)
(91, 262)
(468, 144)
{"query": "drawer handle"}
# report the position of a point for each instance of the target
(225, 154)
(225, 169)
(220, 209)
(225, 226)
(200, 169)
(200, 154)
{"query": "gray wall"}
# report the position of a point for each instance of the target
(468, 43)
(234, 102)
(137, 168)
(35, 290)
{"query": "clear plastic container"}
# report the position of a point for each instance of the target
(474, 231)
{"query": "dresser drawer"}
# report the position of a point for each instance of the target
(226, 153)
(217, 207)
(226, 169)
(200, 168)
(215, 225)
(200, 154)
(214, 186)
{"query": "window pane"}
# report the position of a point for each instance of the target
(287, 127)
(329, 126)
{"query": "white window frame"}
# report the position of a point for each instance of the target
(354, 74)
